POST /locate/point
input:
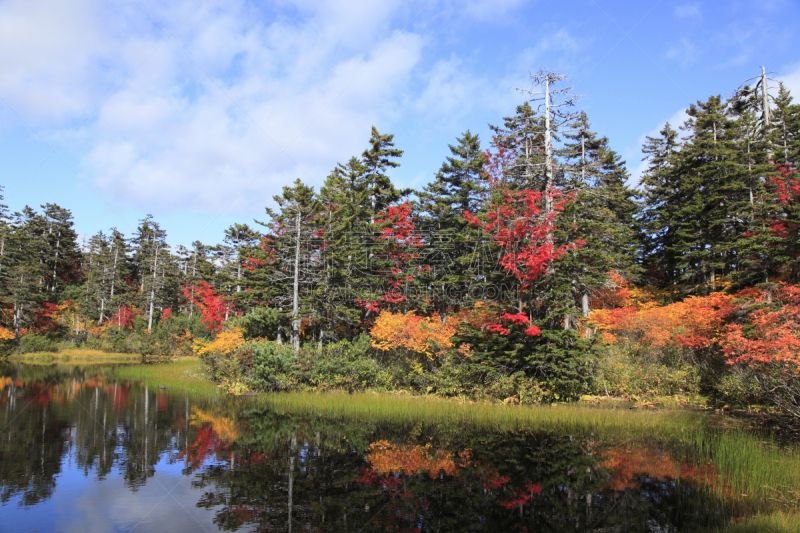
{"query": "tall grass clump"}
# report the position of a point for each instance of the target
(751, 469)
(570, 418)
(183, 376)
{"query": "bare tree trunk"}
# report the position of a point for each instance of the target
(764, 96)
(152, 294)
(548, 153)
(296, 288)
(238, 274)
(194, 271)
(55, 262)
(585, 309)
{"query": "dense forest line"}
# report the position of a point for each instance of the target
(527, 270)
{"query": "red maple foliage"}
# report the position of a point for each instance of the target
(123, 318)
(774, 335)
(786, 185)
(518, 319)
(520, 224)
(213, 306)
(400, 243)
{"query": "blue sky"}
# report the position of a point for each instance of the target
(199, 112)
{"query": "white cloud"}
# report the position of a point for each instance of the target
(189, 121)
(483, 9)
(791, 79)
(311, 80)
(558, 46)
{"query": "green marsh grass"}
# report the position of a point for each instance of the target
(76, 357)
(778, 522)
(183, 376)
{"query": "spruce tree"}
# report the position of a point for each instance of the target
(377, 159)
(292, 246)
(150, 259)
(451, 256)
(658, 218)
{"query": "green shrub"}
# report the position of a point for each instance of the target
(619, 371)
(32, 343)
(274, 366)
(261, 323)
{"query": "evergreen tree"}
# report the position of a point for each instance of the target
(715, 201)
(24, 260)
(150, 260)
(377, 159)
(293, 248)
(63, 256)
(452, 249)
(601, 215)
(658, 217)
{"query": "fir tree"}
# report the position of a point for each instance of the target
(451, 256)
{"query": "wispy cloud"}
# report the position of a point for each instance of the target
(791, 78)
(687, 11)
(683, 52)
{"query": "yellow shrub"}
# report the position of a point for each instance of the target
(226, 342)
(428, 335)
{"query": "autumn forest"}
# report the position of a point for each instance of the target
(532, 269)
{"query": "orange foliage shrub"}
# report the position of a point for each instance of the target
(6, 334)
(766, 352)
(424, 335)
(696, 322)
(481, 314)
(617, 293)
(775, 333)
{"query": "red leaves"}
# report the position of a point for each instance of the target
(44, 318)
(401, 228)
(521, 224)
(400, 238)
(535, 488)
(251, 263)
(533, 331)
(496, 483)
(774, 335)
(124, 317)
(518, 319)
(497, 328)
(212, 305)
(520, 498)
(370, 307)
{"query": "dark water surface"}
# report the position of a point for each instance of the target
(80, 451)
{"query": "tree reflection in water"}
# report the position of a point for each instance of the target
(253, 468)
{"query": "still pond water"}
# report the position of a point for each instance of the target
(81, 451)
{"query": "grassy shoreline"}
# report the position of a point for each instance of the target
(74, 356)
